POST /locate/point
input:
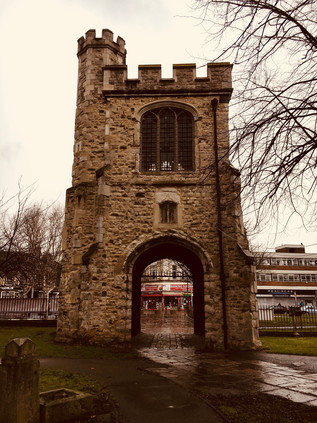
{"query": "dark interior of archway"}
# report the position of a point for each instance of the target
(182, 254)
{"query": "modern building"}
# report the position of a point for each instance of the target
(9, 288)
(166, 285)
(287, 276)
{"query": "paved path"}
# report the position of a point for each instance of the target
(173, 371)
(167, 381)
(142, 396)
(292, 377)
(167, 340)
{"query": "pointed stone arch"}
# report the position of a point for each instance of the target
(175, 248)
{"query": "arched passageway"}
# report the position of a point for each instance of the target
(174, 251)
(167, 298)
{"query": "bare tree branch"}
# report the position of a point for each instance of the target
(274, 140)
(30, 241)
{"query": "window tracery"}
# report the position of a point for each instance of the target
(167, 140)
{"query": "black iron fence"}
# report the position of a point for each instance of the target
(279, 319)
(28, 308)
(272, 319)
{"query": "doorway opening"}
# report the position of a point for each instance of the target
(167, 298)
(168, 290)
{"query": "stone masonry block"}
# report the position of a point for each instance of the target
(19, 347)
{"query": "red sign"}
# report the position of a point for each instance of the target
(181, 287)
(169, 287)
(150, 287)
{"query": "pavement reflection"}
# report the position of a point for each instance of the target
(166, 322)
(168, 341)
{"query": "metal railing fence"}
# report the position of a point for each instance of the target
(274, 319)
(28, 308)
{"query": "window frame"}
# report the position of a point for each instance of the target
(168, 212)
(157, 111)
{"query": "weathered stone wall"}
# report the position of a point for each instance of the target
(112, 207)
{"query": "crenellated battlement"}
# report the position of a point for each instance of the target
(106, 41)
(184, 78)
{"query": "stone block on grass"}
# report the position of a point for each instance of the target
(64, 405)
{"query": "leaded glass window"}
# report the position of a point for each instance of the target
(167, 140)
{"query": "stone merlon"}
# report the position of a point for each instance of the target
(106, 41)
(217, 81)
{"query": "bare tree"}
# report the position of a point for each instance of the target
(39, 237)
(12, 210)
(272, 44)
(30, 242)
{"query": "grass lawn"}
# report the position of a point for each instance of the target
(55, 379)
(46, 347)
(290, 345)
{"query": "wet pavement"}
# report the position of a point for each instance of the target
(166, 322)
(184, 361)
(231, 374)
(142, 396)
(174, 372)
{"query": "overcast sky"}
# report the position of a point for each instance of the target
(38, 79)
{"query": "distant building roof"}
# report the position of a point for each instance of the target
(290, 248)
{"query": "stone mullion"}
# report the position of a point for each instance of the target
(158, 143)
(176, 144)
(193, 145)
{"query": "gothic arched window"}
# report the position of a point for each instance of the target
(167, 136)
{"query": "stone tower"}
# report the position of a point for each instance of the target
(152, 180)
